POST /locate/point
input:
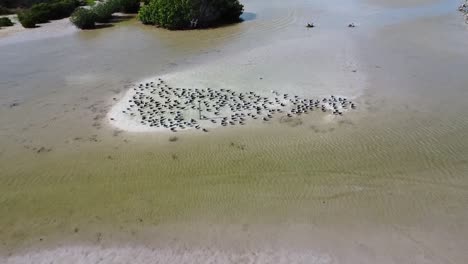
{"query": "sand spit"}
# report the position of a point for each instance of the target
(158, 106)
(259, 85)
(89, 254)
(17, 33)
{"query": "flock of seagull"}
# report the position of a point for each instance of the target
(158, 105)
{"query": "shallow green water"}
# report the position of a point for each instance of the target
(402, 158)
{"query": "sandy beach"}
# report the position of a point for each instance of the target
(383, 183)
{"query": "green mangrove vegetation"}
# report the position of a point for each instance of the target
(13, 4)
(5, 22)
(183, 14)
(8, 7)
(5, 11)
(44, 12)
(83, 18)
(86, 18)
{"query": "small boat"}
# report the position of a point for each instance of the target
(310, 25)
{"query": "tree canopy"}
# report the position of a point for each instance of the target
(178, 14)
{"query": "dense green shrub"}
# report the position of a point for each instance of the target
(177, 14)
(129, 6)
(4, 11)
(147, 15)
(62, 9)
(231, 11)
(21, 3)
(166, 13)
(44, 12)
(5, 22)
(27, 19)
(40, 13)
(83, 18)
(18, 3)
(53, 10)
(104, 11)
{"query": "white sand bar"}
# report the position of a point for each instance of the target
(276, 72)
(89, 254)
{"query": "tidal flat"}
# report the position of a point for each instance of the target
(386, 183)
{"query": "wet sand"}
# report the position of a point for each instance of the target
(384, 184)
(402, 3)
(17, 33)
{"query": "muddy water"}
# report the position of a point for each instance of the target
(399, 162)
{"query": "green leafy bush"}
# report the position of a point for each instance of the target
(44, 12)
(4, 11)
(26, 19)
(170, 14)
(147, 15)
(5, 22)
(83, 18)
(102, 11)
(40, 13)
(105, 10)
(21, 3)
(129, 6)
(231, 11)
(177, 14)
(62, 9)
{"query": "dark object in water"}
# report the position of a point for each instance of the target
(310, 25)
(352, 25)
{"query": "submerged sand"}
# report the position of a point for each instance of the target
(384, 184)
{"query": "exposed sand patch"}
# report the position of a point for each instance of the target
(5, 31)
(271, 71)
(90, 254)
(155, 106)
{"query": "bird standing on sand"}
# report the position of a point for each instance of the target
(164, 106)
